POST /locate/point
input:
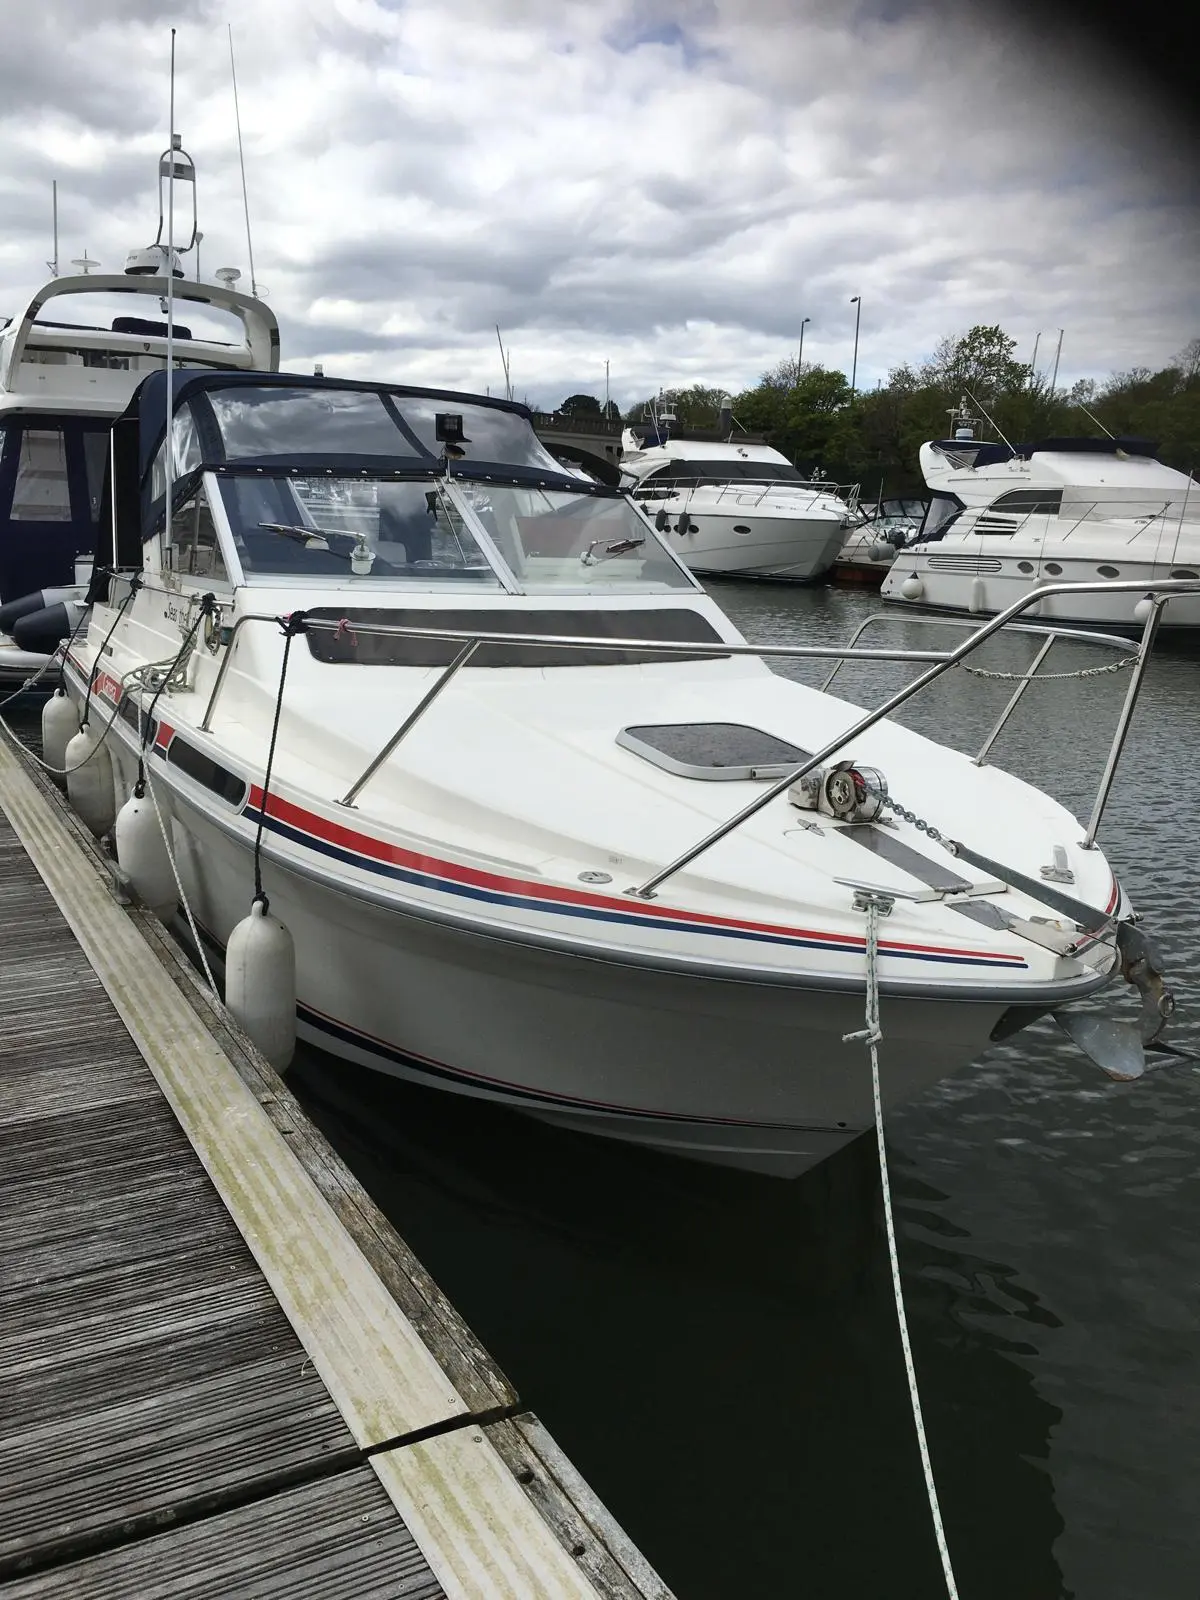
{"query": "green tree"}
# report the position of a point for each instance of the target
(980, 360)
(580, 405)
(695, 406)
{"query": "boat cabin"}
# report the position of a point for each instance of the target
(310, 484)
(63, 383)
(1079, 479)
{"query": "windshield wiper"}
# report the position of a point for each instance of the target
(619, 548)
(310, 538)
(361, 557)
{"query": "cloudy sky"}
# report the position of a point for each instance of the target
(668, 185)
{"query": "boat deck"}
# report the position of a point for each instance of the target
(222, 1373)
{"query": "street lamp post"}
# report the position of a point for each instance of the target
(800, 357)
(855, 300)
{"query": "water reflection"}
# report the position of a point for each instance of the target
(719, 1352)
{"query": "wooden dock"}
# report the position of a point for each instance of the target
(222, 1373)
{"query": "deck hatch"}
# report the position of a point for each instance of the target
(723, 752)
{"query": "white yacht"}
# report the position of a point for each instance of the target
(872, 542)
(62, 384)
(503, 707)
(733, 508)
(1003, 519)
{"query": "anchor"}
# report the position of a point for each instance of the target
(1119, 1048)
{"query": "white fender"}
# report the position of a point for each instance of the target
(260, 983)
(60, 724)
(978, 594)
(142, 855)
(90, 781)
(912, 588)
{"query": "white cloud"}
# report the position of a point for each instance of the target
(668, 186)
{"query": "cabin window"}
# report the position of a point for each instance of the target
(554, 539)
(350, 529)
(279, 421)
(1044, 502)
(42, 492)
(205, 771)
(491, 434)
(715, 474)
(939, 514)
(345, 637)
(194, 549)
(187, 454)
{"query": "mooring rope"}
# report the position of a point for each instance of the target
(291, 626)
(145, 784)
(870, 1036)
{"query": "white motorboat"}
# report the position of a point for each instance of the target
(504, 707)
(1003, 519)
(733, 508)
(871, 544)
(62, 384)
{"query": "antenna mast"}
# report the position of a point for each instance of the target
(991, 421)
(1094, 418)
(508, 393)
(237, 116)
(53, 265)
(1057, 354)
(168, 438)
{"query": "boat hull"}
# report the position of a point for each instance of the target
(972, 585)
(750, 1074)
(791, 549)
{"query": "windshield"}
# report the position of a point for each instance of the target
(278, 420)
(336, 528)
(552, 539)
(274, 421)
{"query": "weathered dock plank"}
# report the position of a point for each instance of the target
(140, 1348)
(338, 1539)
(221, 1371)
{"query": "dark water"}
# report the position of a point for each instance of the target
(718, 1352)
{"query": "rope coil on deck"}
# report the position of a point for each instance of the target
(871, 1035)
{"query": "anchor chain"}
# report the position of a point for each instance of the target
(1050, 677)
(919, 823)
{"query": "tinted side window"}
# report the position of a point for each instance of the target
(1047, 501)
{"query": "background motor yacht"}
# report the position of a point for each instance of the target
(70, 360)
(1003, 519)
(729, 506)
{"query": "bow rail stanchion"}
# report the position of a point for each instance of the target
(935, 662)
(1166, 589)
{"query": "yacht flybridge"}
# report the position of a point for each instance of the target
(1003, 519)
(732, 507)
(543, 827)
(63, 383)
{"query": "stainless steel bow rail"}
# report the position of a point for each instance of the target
(936, 663)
